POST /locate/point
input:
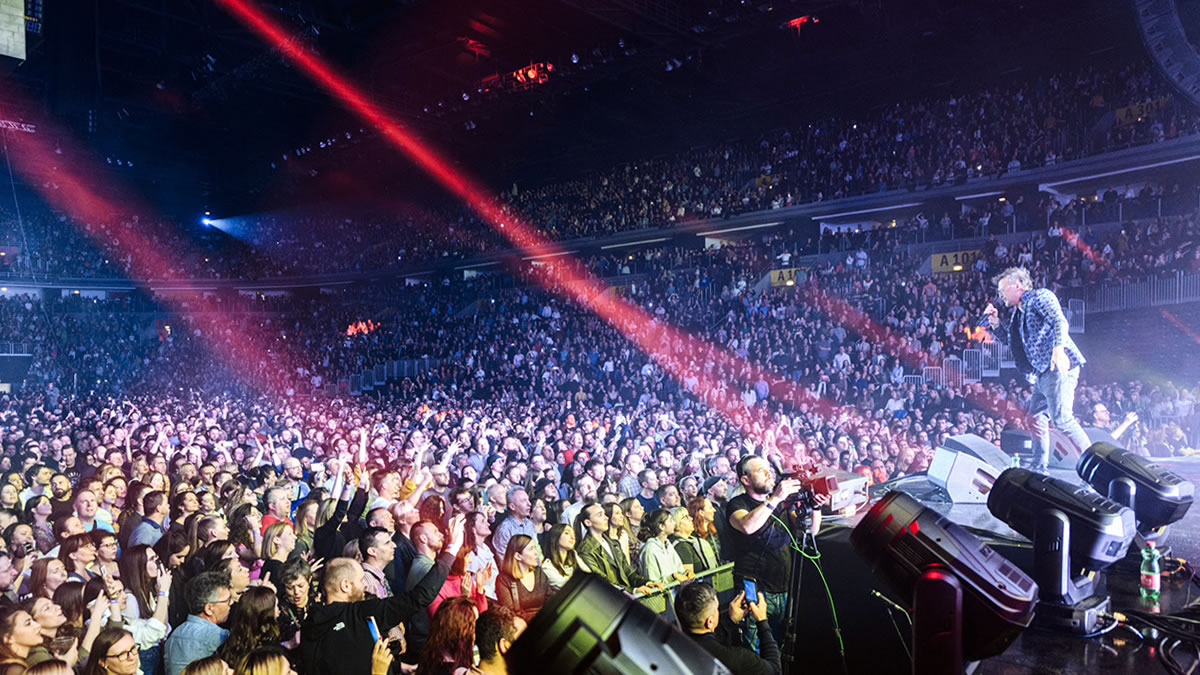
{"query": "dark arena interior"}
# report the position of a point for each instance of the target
(372, 337)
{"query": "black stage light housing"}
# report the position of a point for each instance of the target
(1101, 529)
(912, 547)
(1073, 529)
(591, 627)
(1157, 495)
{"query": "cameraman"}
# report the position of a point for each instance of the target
(762, 534)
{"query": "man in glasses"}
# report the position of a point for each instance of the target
(1042, 346)
(1102, 418)
(209, 596)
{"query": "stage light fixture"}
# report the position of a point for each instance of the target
(591, 627)
(1072, 528)
(1157, 496)
(968, 601)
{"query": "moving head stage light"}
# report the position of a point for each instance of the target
(1157, 496)
(1073, 530)
(968, 601)
(591, 627)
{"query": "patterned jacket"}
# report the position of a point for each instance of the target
(1035, 328)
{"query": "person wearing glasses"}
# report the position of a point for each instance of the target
(113, 653)
(209, 595)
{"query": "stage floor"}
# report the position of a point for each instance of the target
(1120, 651)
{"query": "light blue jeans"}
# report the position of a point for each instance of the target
(1053, 401)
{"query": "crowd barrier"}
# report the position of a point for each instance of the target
(662, 602)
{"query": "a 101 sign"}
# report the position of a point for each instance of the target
(953, 261)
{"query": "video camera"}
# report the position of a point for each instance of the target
(813, 482)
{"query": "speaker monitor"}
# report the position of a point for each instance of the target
(965, 477)
(973, 445)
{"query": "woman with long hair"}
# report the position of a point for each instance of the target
(522, 585)
(659, 561)
(21, 546)
(49, 617)
(131, 515)
(252, 624)
(433, 509)
(704, 515)
(19, 634)
(37, 514)
(476, 531)
(209, 506)
(173, 549)
(451, 638)
(157, 481)
(537, 514)
(45, 577)
(114, 494)
(245, 528)
(692, 550)
(147, 590)
(328, 542)
(621, 532)
(632, 513)
(462, 584)
(77, 553)
(69, 597)
(113, 653)
(106, 553)
(561, 561)
(306, 524)
(278, 542)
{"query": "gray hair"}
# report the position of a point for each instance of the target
(203, 590)
(1017, 275)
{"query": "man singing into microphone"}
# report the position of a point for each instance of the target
(1043, 349)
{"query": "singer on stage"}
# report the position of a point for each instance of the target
(1038, 335)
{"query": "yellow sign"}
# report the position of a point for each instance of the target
(789, 276)
(953, 261)
(1133, 114)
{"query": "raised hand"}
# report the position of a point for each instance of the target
(381, 658)
(164, 580)
(457, 534)
(737, 608)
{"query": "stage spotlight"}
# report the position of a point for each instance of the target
(591, 627)
(969, 602)
(1157, 496)
(1071, 528)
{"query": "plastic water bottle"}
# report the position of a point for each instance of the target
(1151, 580)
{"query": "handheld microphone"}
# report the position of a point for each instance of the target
(984, 321)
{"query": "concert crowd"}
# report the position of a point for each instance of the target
(193, 485)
